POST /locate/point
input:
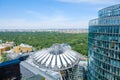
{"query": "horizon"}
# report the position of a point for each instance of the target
(48, 29)
(49, 14)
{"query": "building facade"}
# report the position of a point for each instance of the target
(6, 46)
(23, 48)
(104, 45)
(10, 70)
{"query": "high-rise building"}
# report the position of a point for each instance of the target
(104, 45)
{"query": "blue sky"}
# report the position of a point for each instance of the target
(49, 14)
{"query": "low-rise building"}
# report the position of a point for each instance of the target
(6, 46)
(22, 48)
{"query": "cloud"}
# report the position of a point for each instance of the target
(90, 1)
(42, 21)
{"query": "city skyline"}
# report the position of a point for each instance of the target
(47, 14)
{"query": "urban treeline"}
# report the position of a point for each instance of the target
(40, 40)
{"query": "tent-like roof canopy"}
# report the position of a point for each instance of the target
(57, 57)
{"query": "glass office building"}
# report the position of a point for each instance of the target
(104, 45)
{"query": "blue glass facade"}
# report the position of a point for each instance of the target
(104, 45)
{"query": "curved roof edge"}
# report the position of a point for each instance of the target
(109, 7)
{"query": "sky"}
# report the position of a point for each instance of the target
(50, 14)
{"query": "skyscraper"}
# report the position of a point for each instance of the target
(104, 45)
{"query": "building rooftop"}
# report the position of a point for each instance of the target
(29, 70)
(24, 45)
(57, 57)
(15, 61)
(7, 44)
